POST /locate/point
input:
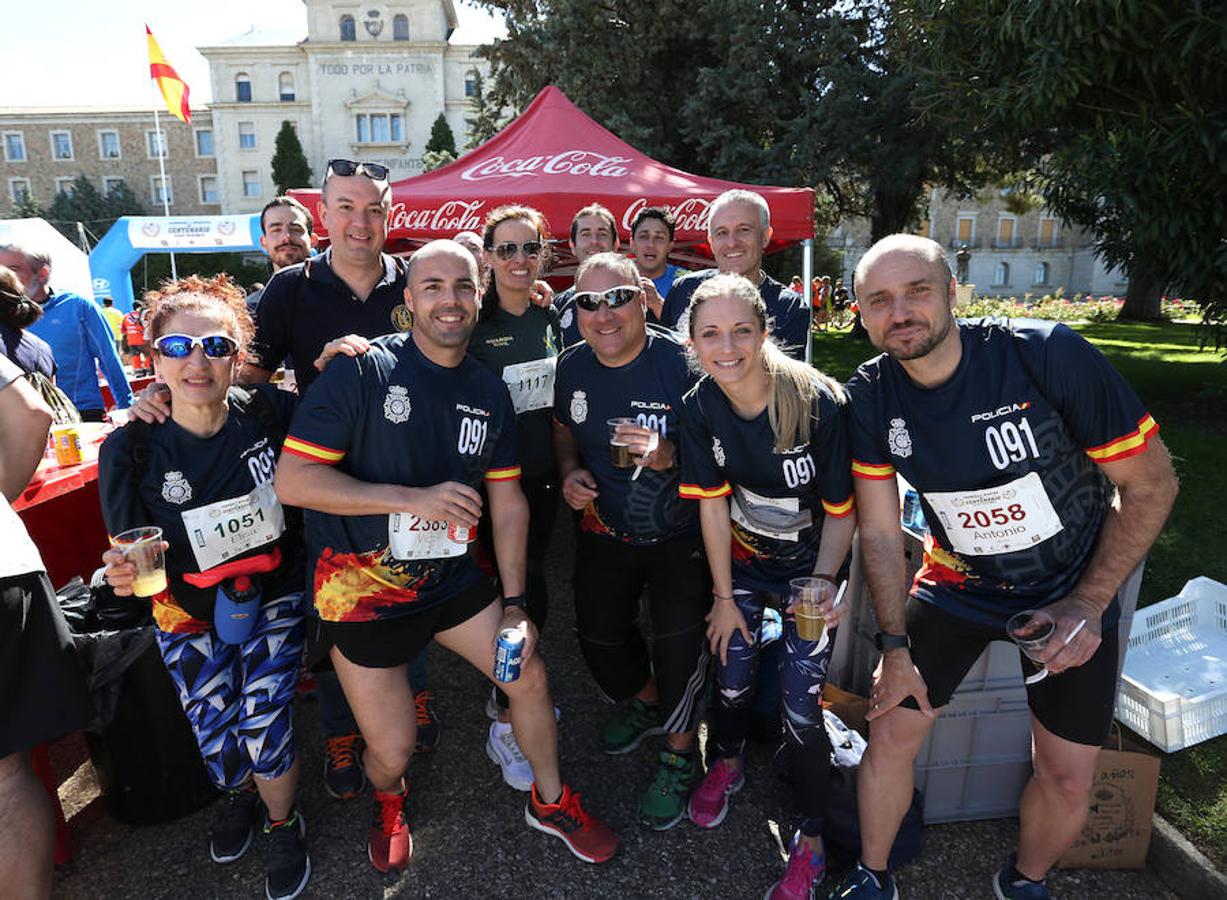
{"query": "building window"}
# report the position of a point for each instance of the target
(470, 84)
(251, 184)
(1001, 275)
(64, 185)
(161, 191)
(108, 144)
(19, 189)
(1042, 272)
(155, 144)
(111, 183)
(965, 230)
(14, 146)
(247, 136)
(1047, 231)
(348, 32)
(400, 28)
(285, 87)
(380, 128)
(61, 145)
(204, 141)
(242, 88)
(1007, 226)
(208, 189)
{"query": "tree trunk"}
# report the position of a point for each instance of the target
(1142, 299)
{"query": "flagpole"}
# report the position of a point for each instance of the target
(162, 148)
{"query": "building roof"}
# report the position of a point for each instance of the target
(272, 37)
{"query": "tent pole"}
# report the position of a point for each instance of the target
(807, 287)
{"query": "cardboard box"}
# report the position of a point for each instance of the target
(850, 707)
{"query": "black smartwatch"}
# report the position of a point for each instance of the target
(516, 600)
(885, 642)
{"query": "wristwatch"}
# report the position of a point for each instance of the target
(885, 642)
(516, 600)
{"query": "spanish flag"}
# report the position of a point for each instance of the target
(174, 89)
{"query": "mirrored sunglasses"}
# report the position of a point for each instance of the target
(346, 167)
(614, 297)
(180, 346)
(507, 249)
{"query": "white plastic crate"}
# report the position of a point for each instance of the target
(1174, 688)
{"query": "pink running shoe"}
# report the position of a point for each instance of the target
(801, 878)
(710, 803)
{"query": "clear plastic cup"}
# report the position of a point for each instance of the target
(619, 450)
(143, 548)
(1031, 630)
(805, 595)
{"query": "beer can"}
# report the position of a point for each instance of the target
(67, 445)
(461, 534)
(508, 654)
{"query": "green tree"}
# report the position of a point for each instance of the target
(290, 166)
(485, 121)
(441, 138)
(121, 201)
(433, 159)
(82, 203)
(1122, 106)
(27, 208)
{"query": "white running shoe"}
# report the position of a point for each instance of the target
(502, 748)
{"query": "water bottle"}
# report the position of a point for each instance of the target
(913, 518)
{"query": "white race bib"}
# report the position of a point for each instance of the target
(226, 529)
(1004, 519)
(763, 507)
(412, 537)
(531, 384)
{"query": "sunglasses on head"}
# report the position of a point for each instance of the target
(613, 297)
(346, 167)
(180, 346)
(507, 249)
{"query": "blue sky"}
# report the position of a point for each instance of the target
(79, 53)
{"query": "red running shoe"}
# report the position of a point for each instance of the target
(389, 844)
(587, 837)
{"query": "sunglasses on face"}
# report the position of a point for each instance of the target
(346, 167)
(508, 249)
(613, 297)
(180, 346)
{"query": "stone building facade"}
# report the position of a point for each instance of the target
(44, 150)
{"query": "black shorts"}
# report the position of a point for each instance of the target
(386, 643)
(42, 681)
(1076, 705)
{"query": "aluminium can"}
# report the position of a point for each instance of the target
(508, 654)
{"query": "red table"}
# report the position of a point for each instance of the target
(63, 514)
(137, 385)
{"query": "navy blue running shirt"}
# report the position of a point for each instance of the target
(649, 388)
(1004, 456)
(779, 499)
(787, 314)
(391, 416)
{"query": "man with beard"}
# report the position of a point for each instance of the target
(1044, 483)
(287, 234)
(386, 454)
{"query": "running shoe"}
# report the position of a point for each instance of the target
(586, 836)
(801, 878)
(286, 862)
(231, 834)
(630, 725)
(1004, 889)
(502, 748)
(710, 803)
(428, 721)
(859, 884)
(343, 775)
(664, 803)
(389, 842)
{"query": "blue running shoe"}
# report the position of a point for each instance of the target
(859, 884)
(1017, 890)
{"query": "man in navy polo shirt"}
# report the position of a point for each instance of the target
(386, 453)
(1044, 482)
(738, 231)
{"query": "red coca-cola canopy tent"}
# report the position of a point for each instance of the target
(556, 158)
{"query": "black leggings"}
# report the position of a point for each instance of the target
(609, 578)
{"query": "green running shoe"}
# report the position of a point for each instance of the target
(663, 804)
(630, 725)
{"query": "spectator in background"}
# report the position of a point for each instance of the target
(132, 330)
(18, 312)
(114, 318)
(652, 242)
(77, 332)
(287, 235)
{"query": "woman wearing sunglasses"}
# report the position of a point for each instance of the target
(765, 454)
(230, 624)
(520, 342)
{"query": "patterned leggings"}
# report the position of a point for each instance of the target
(239, 697)
(803, 672)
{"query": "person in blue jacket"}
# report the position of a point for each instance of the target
(78, 333)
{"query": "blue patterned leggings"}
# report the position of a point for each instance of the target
(239, 697)
(803, 672)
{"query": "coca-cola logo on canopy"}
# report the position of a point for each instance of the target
(689, 215)
(449, 217)
(568, 162)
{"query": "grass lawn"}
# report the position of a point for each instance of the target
(1186, 391)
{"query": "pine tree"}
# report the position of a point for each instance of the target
(290, 166)
(441, 138)
(484, 123)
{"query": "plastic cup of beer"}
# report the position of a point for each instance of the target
(1031, 630)
(143, 548)
(805, 595)
(619, 450)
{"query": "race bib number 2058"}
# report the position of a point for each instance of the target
(1004, 519)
